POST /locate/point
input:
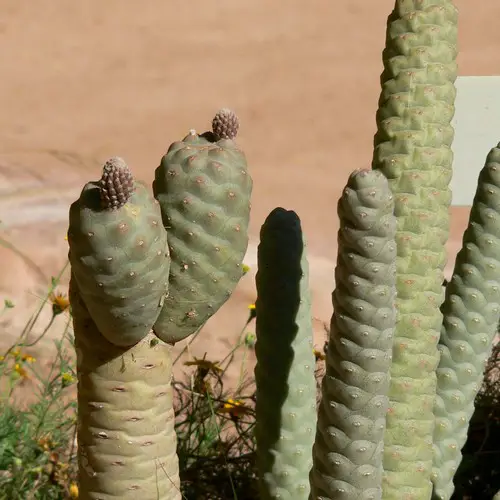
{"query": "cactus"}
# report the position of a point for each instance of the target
(471, 314)
(120, 280)
(204, 191)
(349, 441)
(412, 149)
(126, 435)
(284, 373)
(404, 359)
(118, 254)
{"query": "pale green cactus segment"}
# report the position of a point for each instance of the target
(126, 434)
(119, 258)
(348, 450)
(412, 149)
(284, 373)
(204, 188)
(471, 313)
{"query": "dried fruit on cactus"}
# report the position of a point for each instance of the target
(225, 124)
(204, 189)
(119, 254)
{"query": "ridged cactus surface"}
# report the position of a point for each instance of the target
(126, 435)
(204, 189)
(412, 149)
(284, 373)
(348, 450)
(471, 313)
(119, 254)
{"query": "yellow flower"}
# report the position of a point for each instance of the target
(73, 490)
(16, 353)
(2, 358)
(235, 408)
(27, 358)
(46, 443)
(320, 356)
(253, 312)
(67, 379)
(20, 371)
(245, 268)
(59, 303)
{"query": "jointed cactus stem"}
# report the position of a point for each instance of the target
(118, 254)
(412, 149)
(349, 441)
(471, 314)
(284, 374)
(126, 435)
(204, 189)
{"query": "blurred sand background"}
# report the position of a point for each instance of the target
(85, 81)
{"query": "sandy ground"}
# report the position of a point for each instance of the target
(83, 82)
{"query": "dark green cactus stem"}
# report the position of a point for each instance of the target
(471, 313)
(348, 450)
(284, 374)
(119, 254)
(412, 149)
(204, 189)
(126, 434)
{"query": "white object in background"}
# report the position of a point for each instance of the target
(477, 130)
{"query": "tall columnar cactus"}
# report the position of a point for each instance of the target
(285, 402)
(204, 189)
(412, 149)
(349, 441)
(471, 313)
(126, 435)
(118, 254)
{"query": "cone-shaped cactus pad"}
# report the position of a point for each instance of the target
(284, 374)
(471, 312)
(348, 450)
(119, 256)
(126, 434)
(204, 189)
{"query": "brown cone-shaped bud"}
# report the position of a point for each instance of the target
(116, 184)
(225, 124)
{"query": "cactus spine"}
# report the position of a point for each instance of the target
(471, 314)
(284, 374)
(412, 149)
(349, 441)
